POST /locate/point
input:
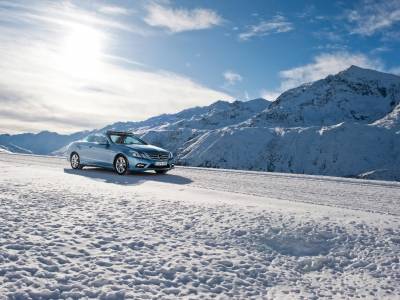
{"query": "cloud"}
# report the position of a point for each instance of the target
(49, 79)
(323, 65)
(380, 49)
(307, 13)
(231, 77)
(114, 10)
(277, 24)
(180, 19)
(373, 16)
(391, 36)
(331, 35)
(60, 14)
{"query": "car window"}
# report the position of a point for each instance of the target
(116, 138)
(132, 140)
(96, 138)
(100, 139)
(126, 139)
(90, 138)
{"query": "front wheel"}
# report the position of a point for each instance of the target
(161, 171)
(75, 161)
(121, 165)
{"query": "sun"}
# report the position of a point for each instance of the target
(81, 51)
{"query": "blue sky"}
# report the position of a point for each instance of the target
(73, 65)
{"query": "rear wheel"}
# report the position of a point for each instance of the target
(121, 165)
(161, 171)
(75, 161)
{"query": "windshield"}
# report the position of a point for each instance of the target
(126, 139)
(95, 138)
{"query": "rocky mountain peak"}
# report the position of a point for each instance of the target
(353, 95)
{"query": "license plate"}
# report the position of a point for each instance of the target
(161, 163)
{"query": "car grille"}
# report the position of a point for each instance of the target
(158, 155)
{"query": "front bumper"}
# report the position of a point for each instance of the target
(142, 164)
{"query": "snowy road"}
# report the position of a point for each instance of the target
(194, 233)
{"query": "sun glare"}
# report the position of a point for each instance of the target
(81, 51)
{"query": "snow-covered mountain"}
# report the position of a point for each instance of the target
(344, 125)
(176, 135)
(11, 148)
(347, 124)
(44, 142)
(355, 95)
(216, 115)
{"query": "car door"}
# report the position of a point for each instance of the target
(101, 151)
(83, 149)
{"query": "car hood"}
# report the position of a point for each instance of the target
(146, 148)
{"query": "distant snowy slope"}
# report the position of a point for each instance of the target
(165, 119)
(338, 150)
(11, 148)
(223, 114)
(176, 135)
(391, 120)
(3, 149)
(343, 125)
(216, 115)
(44, 142)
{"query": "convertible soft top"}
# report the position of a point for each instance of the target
(118, 132)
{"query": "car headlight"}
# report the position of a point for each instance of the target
(170, 155)
(135, 153)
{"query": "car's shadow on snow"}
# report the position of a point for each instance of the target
(110, 176)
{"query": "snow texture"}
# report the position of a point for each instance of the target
(196, 233)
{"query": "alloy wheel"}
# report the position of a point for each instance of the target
(75, 161)
(120, 165)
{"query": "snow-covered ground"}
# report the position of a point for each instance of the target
(194, 233)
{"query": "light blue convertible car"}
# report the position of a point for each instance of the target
(121, 151)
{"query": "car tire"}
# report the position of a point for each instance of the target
(75, 161)
(161, 171)
(121, 165)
